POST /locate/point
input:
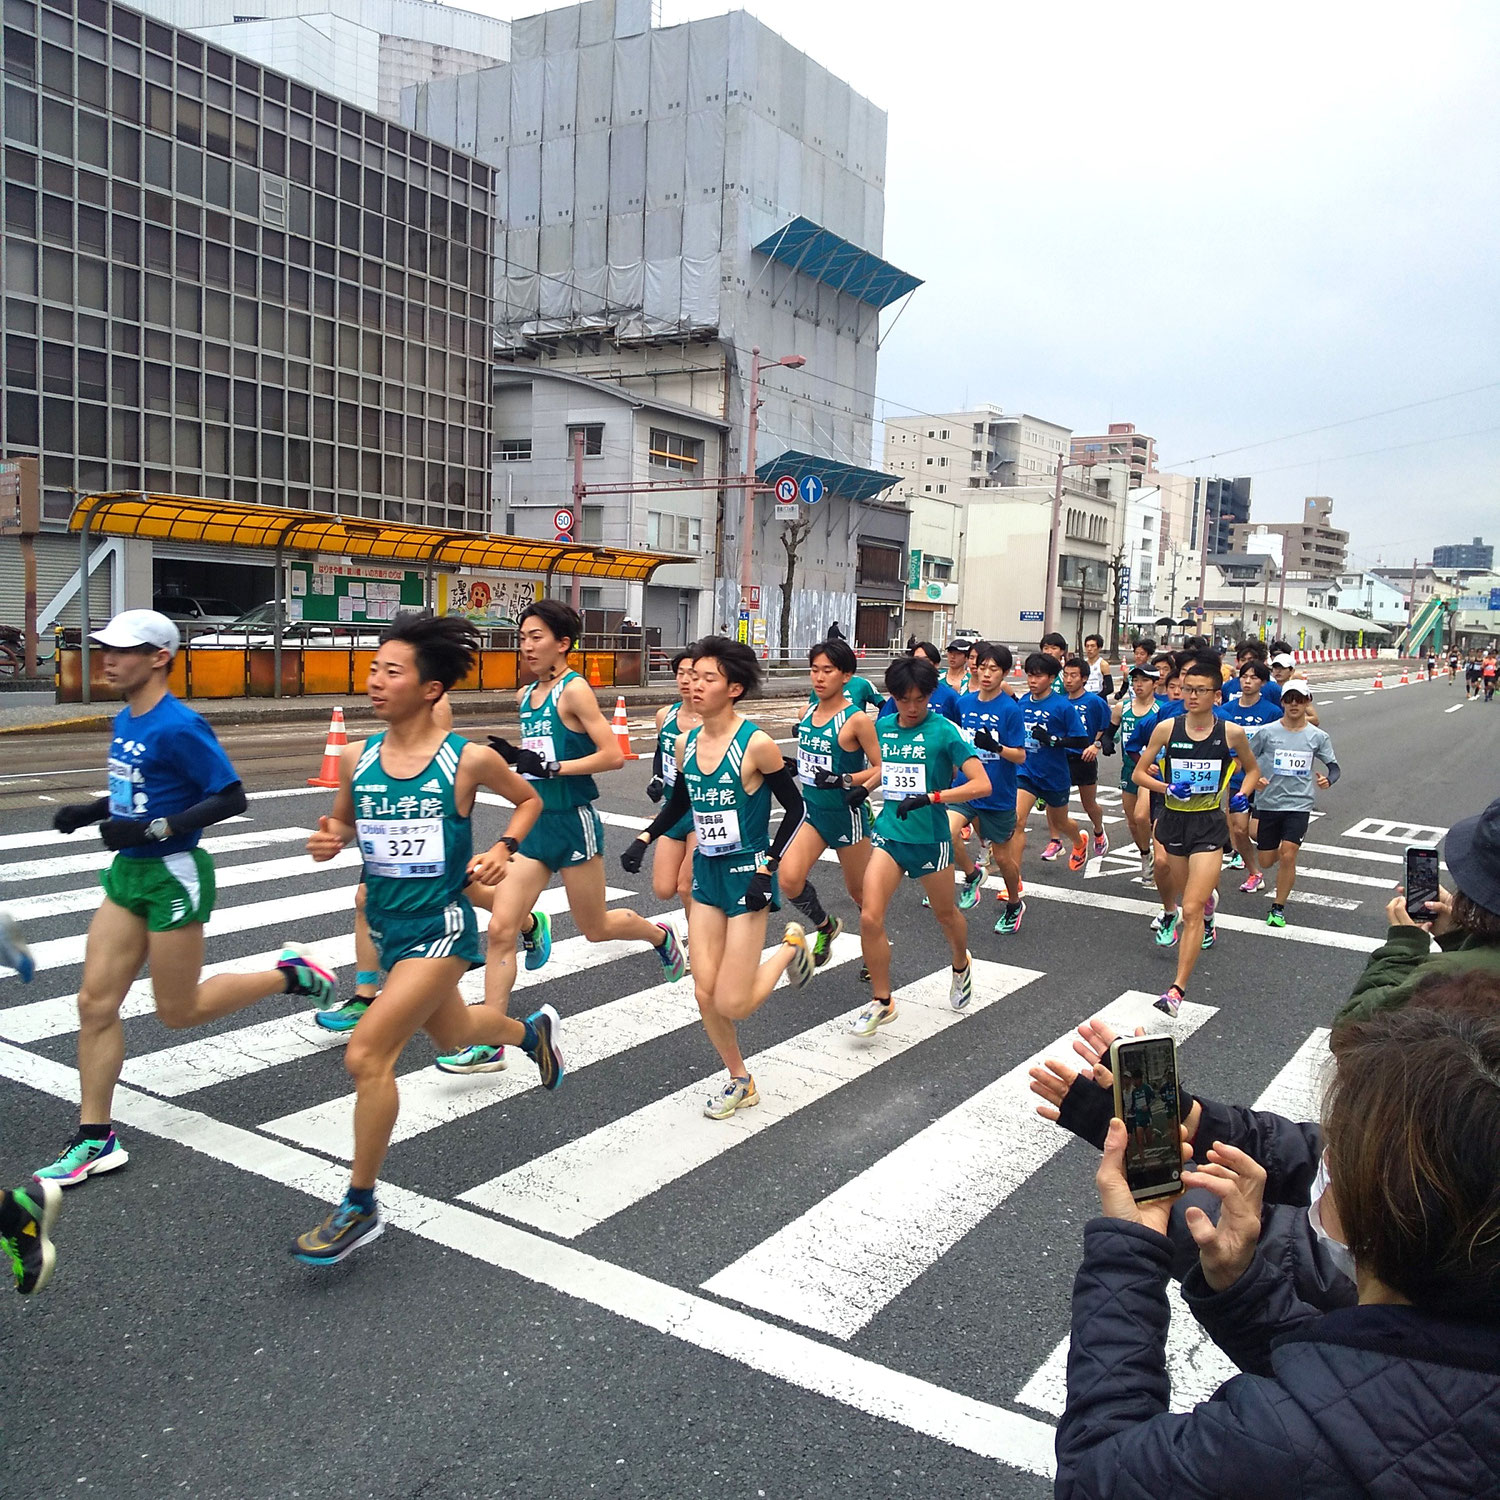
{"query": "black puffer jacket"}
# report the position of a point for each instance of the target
(1383, 1402)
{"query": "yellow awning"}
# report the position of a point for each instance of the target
(231, 523)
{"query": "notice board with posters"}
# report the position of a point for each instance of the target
(348, 592)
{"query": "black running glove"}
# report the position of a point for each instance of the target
(632, 855)
(856, 795)
(526, 762)
(758, 892)
(984, 740)
(125, 833)
(1043, 736)
(1107, 744)
(829, 780)
(655, 788)
(912, 804)
(76, 815)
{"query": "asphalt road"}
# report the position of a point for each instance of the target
(859, 1288)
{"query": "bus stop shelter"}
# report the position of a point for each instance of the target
(284, 533)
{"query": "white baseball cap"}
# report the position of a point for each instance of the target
(139, 627)
(1285, 659)
(1297, 685)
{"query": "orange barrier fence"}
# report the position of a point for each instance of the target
(237, 672)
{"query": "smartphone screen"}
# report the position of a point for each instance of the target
(1146, 1099)
(1421, 882)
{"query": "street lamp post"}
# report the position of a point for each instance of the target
(747, 519)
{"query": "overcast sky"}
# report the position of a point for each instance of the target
(1225, 227)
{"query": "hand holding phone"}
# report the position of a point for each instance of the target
(1421, 881)
(1147, 1099)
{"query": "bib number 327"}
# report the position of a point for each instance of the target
(411, 850)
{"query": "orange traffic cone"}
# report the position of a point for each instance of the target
(622, 730)
(1379, 681)
(1405, 680)
(337, 739)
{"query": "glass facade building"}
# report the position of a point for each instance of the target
(220, 282)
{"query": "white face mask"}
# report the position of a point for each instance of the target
(1338, 1251)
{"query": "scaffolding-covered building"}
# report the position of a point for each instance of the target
(668, 200)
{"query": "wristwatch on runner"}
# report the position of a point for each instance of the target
(512, 844)
(159, 829)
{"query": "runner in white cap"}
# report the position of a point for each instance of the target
(168, 781)
(1285, 752)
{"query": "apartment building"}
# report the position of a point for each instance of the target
(1313, 546)
(1122, 444)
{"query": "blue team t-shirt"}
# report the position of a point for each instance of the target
(1270, 691)
(1002, 717)
(944, 701)
(1046, 770)
(1262, 711)
(161, 763)
(1088, 714)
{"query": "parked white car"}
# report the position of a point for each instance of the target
(256, 629)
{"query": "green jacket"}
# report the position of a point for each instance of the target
(1404, 961)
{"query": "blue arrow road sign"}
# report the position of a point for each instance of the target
(812, 488)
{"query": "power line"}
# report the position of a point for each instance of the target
(1330, 426)
(1308, 463)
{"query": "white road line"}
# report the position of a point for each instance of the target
(294, 791)
(86, 898)
(1368, 856)
(1196, 1365)
(1317, 898)
(844, 1260)
(286, 912)
(1296, 1092)
(35, 870)
(1454, 709)
(592, 1178)
(57, 1017)
(1322, 937)
(806, 1364)
(430, 1098)
(38, 837)
(1342, 876)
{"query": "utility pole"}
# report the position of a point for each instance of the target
(1203, 545)
(577, 504)
(1052, 548)
(747, 515)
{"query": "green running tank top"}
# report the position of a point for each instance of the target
(727, 818)
(416, 846)
(818, 749)
(543, 730)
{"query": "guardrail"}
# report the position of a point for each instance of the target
(249, 672)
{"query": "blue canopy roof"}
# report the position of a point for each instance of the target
(821, 254)
(846, 480)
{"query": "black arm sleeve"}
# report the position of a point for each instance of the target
(1331, 770)
(656, 760)
(229, 803)
(785, 790)
(674, 807)
(1107, 686)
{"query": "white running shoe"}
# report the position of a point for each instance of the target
(961, 991)
(873, 1017)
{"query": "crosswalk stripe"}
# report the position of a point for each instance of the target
(56, 1017)
(588, 1180)
(863, 1385)
(839, 1264)
(96, 859)
(1343, 877)
(39, 838)
(206, 1061)
(86, 898)
(430, 1099)
(1196, 1365)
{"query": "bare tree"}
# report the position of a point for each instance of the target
(793, 534)
(1117, 593)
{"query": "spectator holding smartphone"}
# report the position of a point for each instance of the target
(1465, 923)
(1397, 1395)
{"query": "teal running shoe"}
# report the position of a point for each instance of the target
(475, 1059)
(673, 964)
(968, 892)
(538, 942)
(305, 976)
(81, 1159)
(340, 1234)
(345, 1018)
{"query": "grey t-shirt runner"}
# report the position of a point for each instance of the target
(1286, 756)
